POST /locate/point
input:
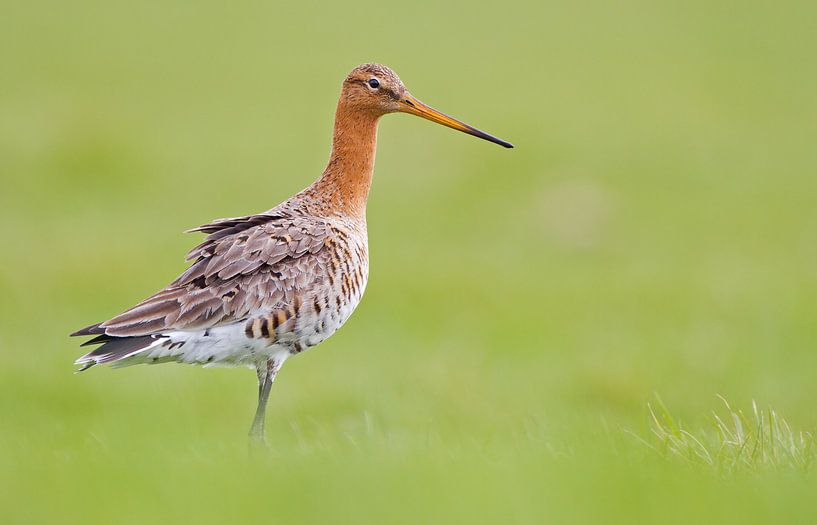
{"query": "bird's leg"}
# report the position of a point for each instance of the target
(266, 375)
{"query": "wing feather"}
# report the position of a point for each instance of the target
(245, 264)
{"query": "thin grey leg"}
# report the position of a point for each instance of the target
(266, 375)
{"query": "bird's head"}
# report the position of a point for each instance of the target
(377, 90)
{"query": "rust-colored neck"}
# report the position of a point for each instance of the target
(344, 185)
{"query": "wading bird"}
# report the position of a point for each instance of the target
(264, 287)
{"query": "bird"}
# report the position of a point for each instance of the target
(265, 287)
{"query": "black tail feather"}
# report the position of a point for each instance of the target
(94, 329)
(113, 349)
(104, 338)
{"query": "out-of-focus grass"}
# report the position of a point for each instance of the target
(653, 230)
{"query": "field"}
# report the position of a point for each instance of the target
(650, 242)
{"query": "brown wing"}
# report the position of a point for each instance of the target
(244, 265)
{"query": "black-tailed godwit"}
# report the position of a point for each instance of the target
(264, 287)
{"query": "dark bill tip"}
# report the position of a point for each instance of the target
(490, 138)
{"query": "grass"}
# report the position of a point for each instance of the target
(652, 231)
(734, 442)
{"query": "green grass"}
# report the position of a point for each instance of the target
(652, 231)
(734, 442)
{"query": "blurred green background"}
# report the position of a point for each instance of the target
(655, 230)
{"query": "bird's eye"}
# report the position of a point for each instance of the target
(374, 83)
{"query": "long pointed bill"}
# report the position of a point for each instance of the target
(409, 104)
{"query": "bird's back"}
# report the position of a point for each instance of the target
(273, 283)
